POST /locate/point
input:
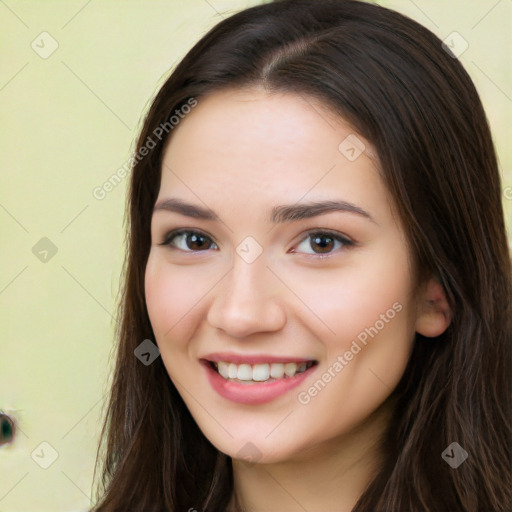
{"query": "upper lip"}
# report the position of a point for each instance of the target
(230, 357)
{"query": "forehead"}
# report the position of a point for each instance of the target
(250, 148)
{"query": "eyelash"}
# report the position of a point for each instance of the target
(337, 237)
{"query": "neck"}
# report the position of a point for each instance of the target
(328, 476)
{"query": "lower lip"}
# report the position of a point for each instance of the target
(254, 393)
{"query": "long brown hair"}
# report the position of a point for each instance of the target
(395, 83)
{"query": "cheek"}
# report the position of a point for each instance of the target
(173, 298)
(369, 308)
(355, 297)
(367, 319)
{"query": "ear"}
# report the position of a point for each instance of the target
(433, 311)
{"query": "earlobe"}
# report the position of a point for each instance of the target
(434, 313)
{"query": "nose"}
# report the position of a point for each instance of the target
(248, 301)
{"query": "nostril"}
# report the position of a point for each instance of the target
(7, 429)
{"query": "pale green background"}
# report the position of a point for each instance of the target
(68, 123)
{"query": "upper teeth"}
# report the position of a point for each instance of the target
(260, 372)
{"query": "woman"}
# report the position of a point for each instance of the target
(317, 248)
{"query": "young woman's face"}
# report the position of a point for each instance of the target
(279, 284)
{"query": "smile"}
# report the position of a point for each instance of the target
(264, 372)
(255, 380)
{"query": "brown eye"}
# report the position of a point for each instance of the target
(324, 243)
(196, 242)
(189, 241)
(321, 242)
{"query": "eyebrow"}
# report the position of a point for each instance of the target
(279, 214)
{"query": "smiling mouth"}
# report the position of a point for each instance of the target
(262, 372)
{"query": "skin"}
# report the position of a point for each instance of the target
(240, 153)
